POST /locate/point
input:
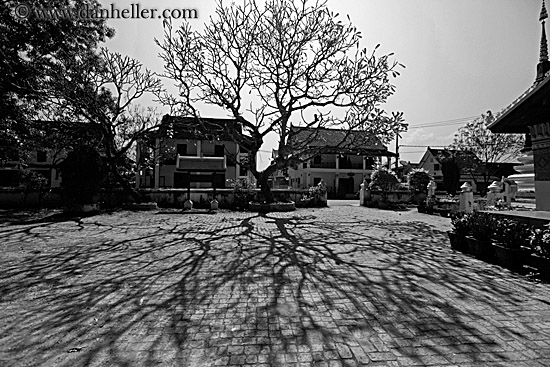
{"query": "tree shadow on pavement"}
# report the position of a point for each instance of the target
(238, 288)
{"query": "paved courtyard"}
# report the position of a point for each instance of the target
(338, 286)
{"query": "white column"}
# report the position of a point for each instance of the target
(157, 165)
(138, 148)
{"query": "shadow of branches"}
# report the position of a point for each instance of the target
(129, 289)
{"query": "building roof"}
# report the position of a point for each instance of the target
(528, 109)
(531, 107)
(183, 127)
(338, 141)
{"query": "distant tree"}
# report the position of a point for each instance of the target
(273, 65)
(29, 50)
(81, 176)
(419, 179)
(488, 147)
(100, 92)
(450, 167)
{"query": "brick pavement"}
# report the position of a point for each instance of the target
(338, 286)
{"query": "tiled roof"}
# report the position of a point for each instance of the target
(338, 139)
(518, 101)
(181, 127)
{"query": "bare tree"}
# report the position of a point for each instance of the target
(489, 148)
(100, 91)
(274, 66)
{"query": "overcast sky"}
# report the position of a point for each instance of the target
(462, 57)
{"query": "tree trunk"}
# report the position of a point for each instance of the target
(266, 190)
(127, 188)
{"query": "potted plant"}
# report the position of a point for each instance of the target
(511, 238)
(540, 257)
(479, 240)
(81, 180)
(461, 223)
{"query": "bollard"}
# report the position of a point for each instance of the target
(506, 193)
(188, 205)
(431, 189)
(466, 198)
(494, 193)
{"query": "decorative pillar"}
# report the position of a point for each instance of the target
(540, 140)
(157, 164)
(466, 198)
(494, 193)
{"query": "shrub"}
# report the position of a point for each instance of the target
(419, 179)
(462, 223)
(384, 180)
(482, 226)
(81, 176)
(540, 241)
(243, 192)
(511, 234)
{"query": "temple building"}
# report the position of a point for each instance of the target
(530, 115)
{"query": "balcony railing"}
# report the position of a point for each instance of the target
(323, 165)
(333, 165)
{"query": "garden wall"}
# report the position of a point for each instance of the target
(225, 197)
(12, 198)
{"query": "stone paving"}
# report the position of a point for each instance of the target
(338, 286)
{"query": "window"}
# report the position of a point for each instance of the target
(436, 167)
(243, 171)
(304, 165)
(316, 180)
(317, 159)
(219, 150)
(182, 149)
(41, 156)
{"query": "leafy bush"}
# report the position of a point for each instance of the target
(384, 180)
(540, 241)
(462, 223)
(482, 226)
(419, 179)
(511, 234)
(33, 182)
(81, 176)
(243, 192)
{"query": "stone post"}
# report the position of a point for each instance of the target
(494, 193)
(466, 198)
(362, 193)
(507, 193)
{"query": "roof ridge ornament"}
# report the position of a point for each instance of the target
(543, 41)
(544, 64)
(543, 13)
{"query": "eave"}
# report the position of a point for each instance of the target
(532, 107)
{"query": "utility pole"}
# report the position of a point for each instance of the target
(396, 152)
(402, 127)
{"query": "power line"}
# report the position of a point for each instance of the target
(442, 123)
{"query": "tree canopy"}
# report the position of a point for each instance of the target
(29, 51)
(276, 66)
(488, 147)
